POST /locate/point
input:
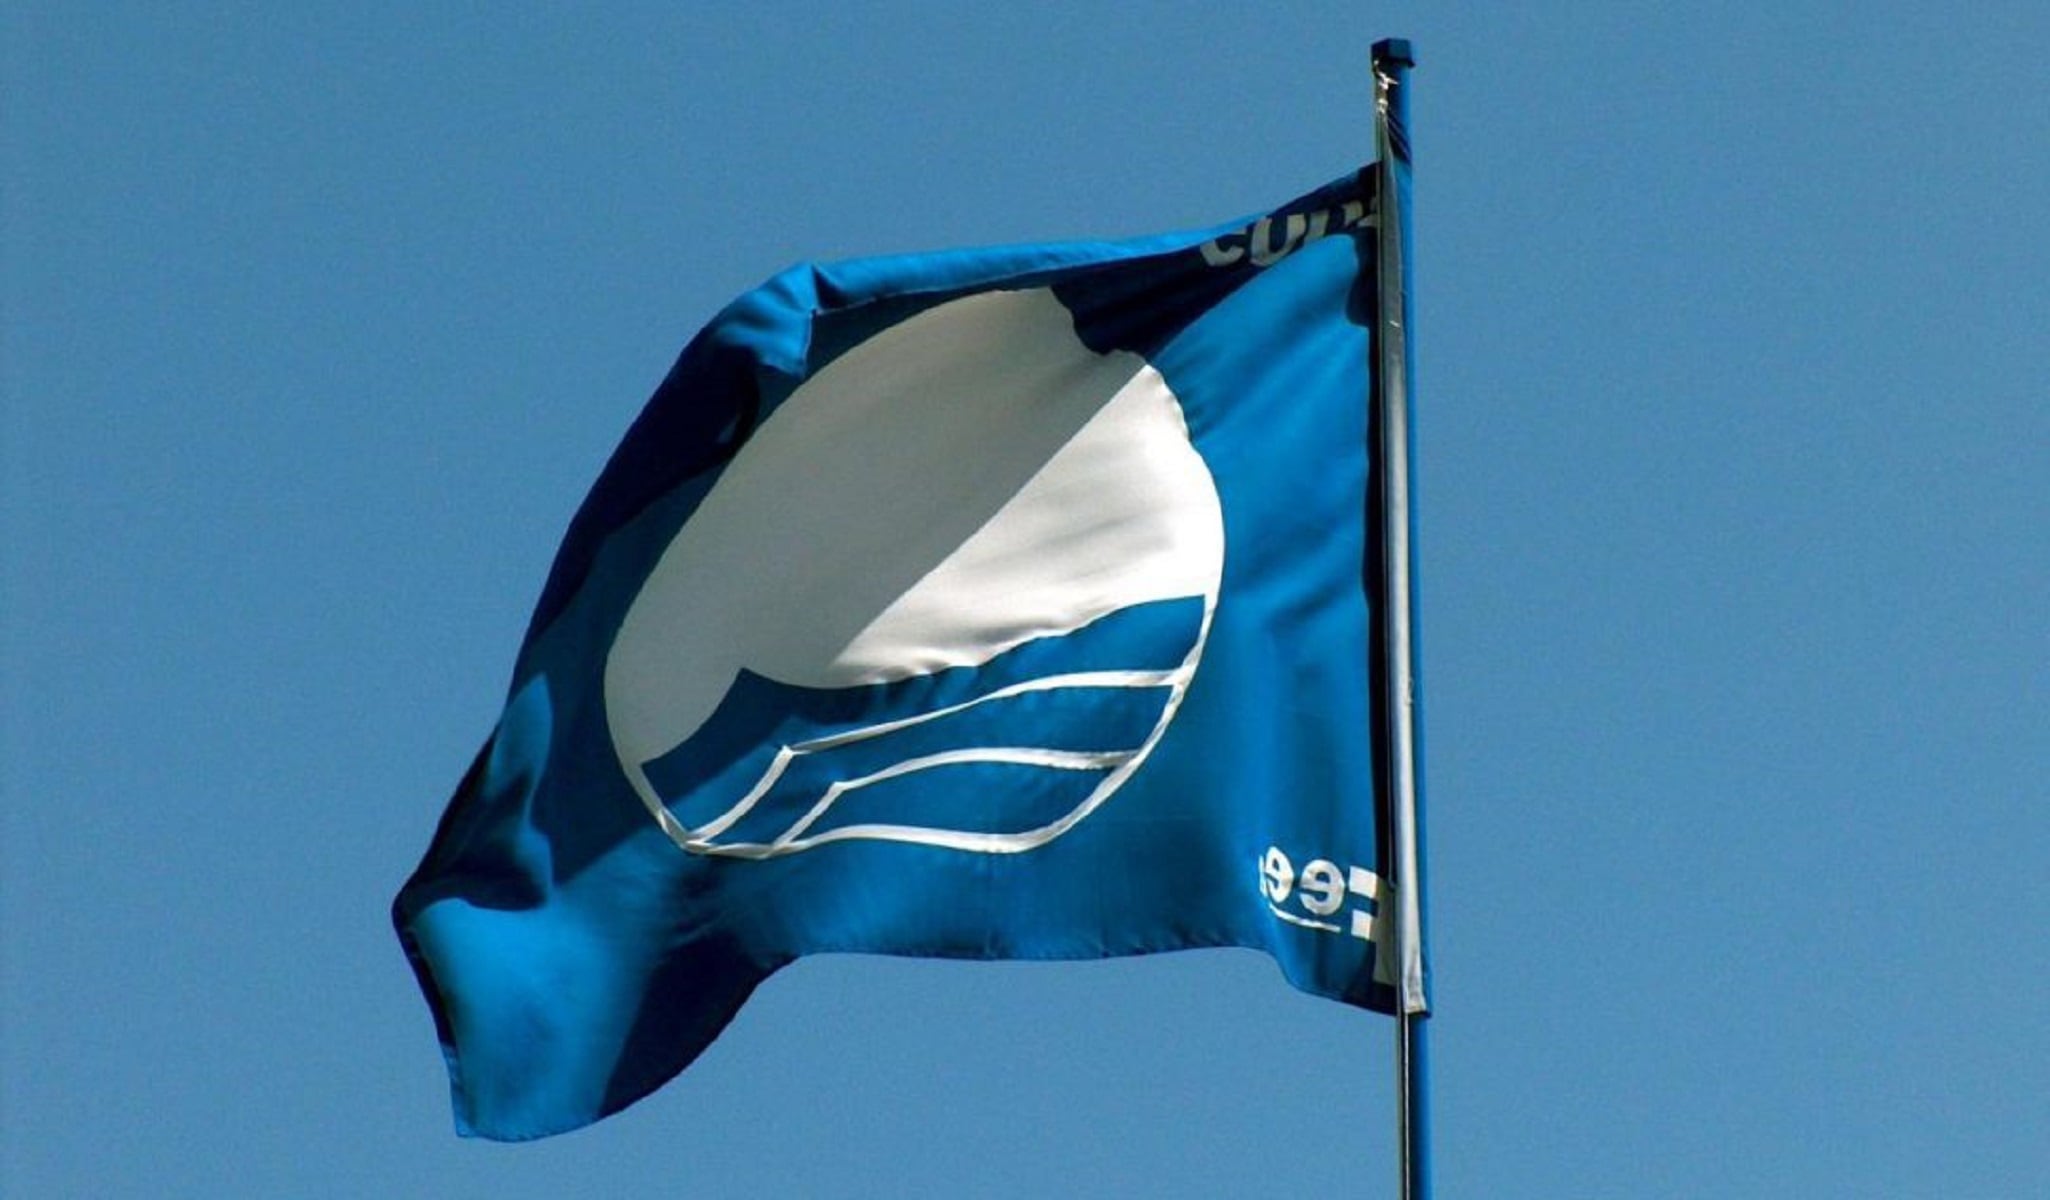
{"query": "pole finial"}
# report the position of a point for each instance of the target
(1394, 52)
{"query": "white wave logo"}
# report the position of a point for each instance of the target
(966, 482)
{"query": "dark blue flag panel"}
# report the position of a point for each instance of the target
(996, 604)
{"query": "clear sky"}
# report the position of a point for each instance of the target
(1734, 345)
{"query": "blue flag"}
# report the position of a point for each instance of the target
(1007, 603)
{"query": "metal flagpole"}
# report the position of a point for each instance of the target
(1392, 60)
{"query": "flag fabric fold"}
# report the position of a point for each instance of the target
(1007, 603)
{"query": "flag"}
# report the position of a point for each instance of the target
(1007, 603)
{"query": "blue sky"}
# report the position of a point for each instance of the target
(1736, 553)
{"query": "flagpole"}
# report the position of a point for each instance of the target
(1392, 61)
